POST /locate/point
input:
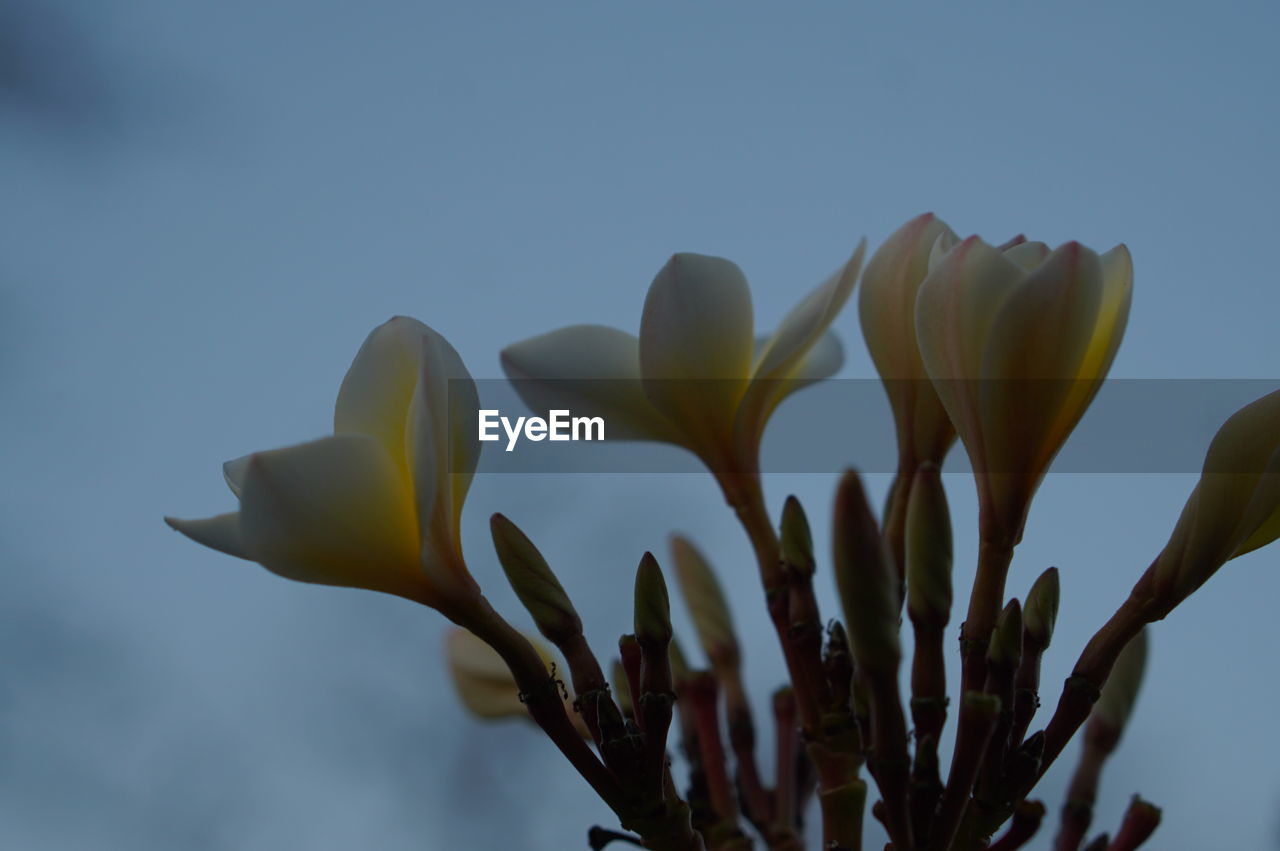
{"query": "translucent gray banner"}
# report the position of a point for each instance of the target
(1132, 426)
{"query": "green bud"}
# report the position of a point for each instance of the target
(866, 580)
(621, 687)
(534, 582)
(928, 548)
(1005, 649)
(706, 602)
(652, 605)
(795, 546)
(1120, 692)
(1041, 611)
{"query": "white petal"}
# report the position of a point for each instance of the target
(233, 473)
(1027, 255)
(696, 344)
(787, 351)
(1238, 485)
(221, 532)
(409, 389)
(336, 512)
(823, 360)
(942, 246)
(443, 446)
(955, 307)
(809, 320)
(593, 371)
(1260, 524)
(886, 304)
(1031, 369)
(378, 388)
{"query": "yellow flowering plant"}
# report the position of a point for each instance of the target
(1003, 347)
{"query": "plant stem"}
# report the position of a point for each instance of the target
(836, 767)
(786, 740)
(541, 696)
(929, 716)
(1026, 698)
(1082, 688)
(1077, 811)
(895, 521)
(703, 692)
(1140, 821)
(981, 713)
(973, 729)
(742, 739)
(842, 808)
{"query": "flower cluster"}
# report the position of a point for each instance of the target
(1001, 346)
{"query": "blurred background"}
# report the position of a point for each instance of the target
(207, 206)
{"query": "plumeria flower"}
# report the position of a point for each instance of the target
(1017, 342)
(485, 684)
(1235, 507)
(377, 504)
(695, 376)
(886, 306)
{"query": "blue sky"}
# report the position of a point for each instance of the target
(208, 206)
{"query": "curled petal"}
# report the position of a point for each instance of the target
(221, 533)
(378, 387)
(808, 321)
(1028, 255)
(409, 390)
(823, 360)
(233, 472)
(442, 446)
(335, 512)
(1034, 358)
(793, 348)
(886, 304)
(955, 308)
(592, 370)
(886, 308)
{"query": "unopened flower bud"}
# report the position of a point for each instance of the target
(534, 582)
(1041, 610)
(652, 605)
(1120, 692)
(706, 602)
(1235, 507)
(621, 687)
(796, 541)
(928, 548)
(1005, 649)
(866, 580)
(1140, 821)
(485, 683)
